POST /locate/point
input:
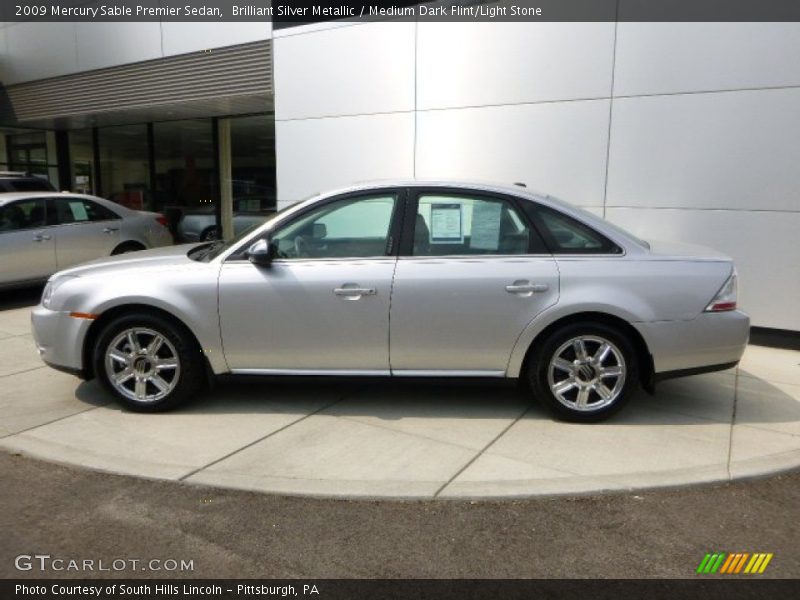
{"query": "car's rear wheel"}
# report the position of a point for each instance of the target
(148, 362)
(584, 372)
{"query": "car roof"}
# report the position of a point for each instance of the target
(6, 197)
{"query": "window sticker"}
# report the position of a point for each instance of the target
(486, 225)
(78, 211)
(446, 223)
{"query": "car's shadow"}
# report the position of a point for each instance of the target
(20, 297)
(697, 400)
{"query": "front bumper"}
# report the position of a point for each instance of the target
(59, 339)
(712, 339)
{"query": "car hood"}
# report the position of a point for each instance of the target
(681, 250)
(170, 256)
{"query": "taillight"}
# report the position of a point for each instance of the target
(162, 220)
(726, 297)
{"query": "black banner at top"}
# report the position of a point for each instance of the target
(288, 13)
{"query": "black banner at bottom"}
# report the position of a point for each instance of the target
(411, 589)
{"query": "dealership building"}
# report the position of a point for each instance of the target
(682, 131)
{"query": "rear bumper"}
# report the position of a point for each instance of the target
(712, 341)
(696, 371)
(59, 339)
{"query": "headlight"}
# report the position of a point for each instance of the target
(50, 289)
(47, 294)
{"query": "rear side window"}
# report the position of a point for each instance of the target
(565, 235)
(78, 210)
(450, 224)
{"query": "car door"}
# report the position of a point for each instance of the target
(322, 305)
(27, 245)
(472, 274)
(85, 229)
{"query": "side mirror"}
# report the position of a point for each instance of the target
(319, 231)
(261, 253)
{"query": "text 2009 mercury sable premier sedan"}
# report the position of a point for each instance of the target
(403, 279)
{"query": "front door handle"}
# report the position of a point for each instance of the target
(110, 229)
(41, 237)
(526, 288)
(354, 293)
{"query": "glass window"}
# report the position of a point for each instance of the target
(355, 227)
(77, 210)
(81, 155)
(29, 152)
(253, 163)
(124, 166)
(25, 214)
(565, 235)
(464, 225)
(184, 165)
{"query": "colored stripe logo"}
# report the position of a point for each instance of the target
(734, 563)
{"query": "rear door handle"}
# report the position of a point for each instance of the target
(41, 237)
(526, 288)
(110, 229)
(354, 293)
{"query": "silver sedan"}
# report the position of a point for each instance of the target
(48, 231)
(403, 279)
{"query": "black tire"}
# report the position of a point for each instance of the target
(586, 377)
(126, 247)
(209, 234)
(189, 375)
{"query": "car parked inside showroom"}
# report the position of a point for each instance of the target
(201, 225)
(22, 181)
(43, 232)
(403, 279)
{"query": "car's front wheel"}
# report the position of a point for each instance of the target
(584, 372)
(148, 362)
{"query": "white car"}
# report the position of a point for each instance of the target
(44, 232)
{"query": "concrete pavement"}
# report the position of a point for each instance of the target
(405, 439)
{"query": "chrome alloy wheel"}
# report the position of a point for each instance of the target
(586, 373)
(142, 365)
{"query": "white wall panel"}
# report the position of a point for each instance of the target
(722, 150)
(180, 38)
(555, 148)
(103, 44)
(764, 245)
(345, 71)
(662, 58)
(318, 154)
(475, 64)
(39, 50)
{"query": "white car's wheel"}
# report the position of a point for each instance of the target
(148, 362)
(584, 371)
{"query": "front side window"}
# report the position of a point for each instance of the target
(464, 225)
(25, 214)
(349, 228)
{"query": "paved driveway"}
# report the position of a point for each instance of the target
(404, 439)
